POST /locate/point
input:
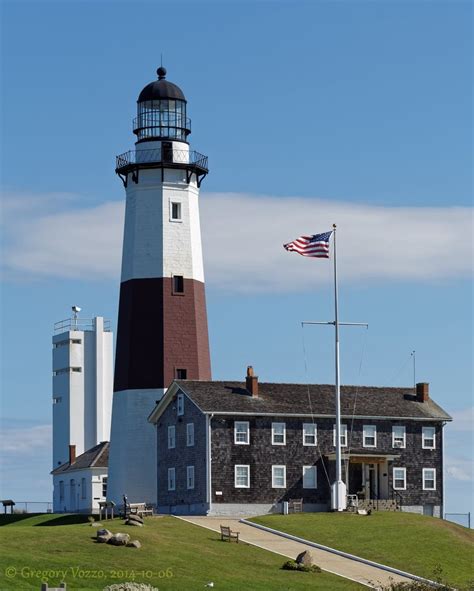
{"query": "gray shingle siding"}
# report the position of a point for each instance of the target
(181, 456)
(227, 402)
(260, 455)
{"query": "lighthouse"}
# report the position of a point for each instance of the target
(162, 322)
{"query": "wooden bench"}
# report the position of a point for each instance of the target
(295, 505)
(228, 534)
(141, 509)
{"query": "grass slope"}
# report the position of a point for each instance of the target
(192, 556)
(413, 543)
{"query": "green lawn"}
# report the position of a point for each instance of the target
(413, 543)
(174, 556)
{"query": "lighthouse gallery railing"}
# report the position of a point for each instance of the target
(159, 155)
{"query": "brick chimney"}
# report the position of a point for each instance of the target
(251, 382)
(72, 454)
(422, 392)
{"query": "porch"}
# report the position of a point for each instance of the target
(367, 480)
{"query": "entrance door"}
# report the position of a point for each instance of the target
(371, 481)
(355, 478)
(167, 151)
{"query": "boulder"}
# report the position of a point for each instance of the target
(134, 544)
(133, 522)
(96, 524)
(119, 539)
(306, 558)
(103, 535)
(134, 517)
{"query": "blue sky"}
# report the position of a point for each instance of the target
(311, 113)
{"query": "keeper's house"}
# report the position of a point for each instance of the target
(233, 447)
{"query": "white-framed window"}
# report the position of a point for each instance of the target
(310, 477)
(278, 476)
(83, 488)
(171, 479)
(175, 211)
(343, 434)
(428, 435)
(190, 477)
(310, 434)
(398, 436)
(61, 491)
(400, 478)
(180, 405)
(171, 437)
(278, 433)
(429, 479)
(104, 486)
(369, 433)
(190, 434)
(241, 432)
(242, 476)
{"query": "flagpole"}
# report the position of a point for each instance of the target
(338, 493)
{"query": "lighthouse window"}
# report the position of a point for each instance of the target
(181, 374)
(178, 284)
(176, 212)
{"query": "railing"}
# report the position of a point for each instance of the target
(159, 155)
(395, 495)
(81, 324)
(32, 507)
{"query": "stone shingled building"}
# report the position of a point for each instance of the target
(233, 447)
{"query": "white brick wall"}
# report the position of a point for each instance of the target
(132, 459)
(155, 246)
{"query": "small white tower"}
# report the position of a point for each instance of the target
(162, 322)
(82, 385)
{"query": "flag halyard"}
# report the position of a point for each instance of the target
(316, 246)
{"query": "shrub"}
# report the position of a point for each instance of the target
(293, 565)
(130, 587)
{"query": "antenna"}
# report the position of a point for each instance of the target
(75, 311)
(161, 59)
(413, 354)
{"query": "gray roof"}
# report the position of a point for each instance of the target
(300, 399)
(95, 457)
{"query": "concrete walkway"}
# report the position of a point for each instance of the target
(365, 574)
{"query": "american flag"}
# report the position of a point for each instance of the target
(311, 246)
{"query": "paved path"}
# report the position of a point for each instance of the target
(345, 567)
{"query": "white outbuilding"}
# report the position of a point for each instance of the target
(81, 483)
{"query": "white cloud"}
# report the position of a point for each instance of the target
(23, 441)
(463, 421)
(242, 240)
(458, 445)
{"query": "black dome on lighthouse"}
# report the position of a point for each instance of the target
(161, 89)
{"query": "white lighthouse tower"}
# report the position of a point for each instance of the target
(162, 323)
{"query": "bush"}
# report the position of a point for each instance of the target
(437, 576)
(293, 565)
(130, 587)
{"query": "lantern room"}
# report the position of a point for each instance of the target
(161, 112)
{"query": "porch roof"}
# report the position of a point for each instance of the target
(370, 458)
